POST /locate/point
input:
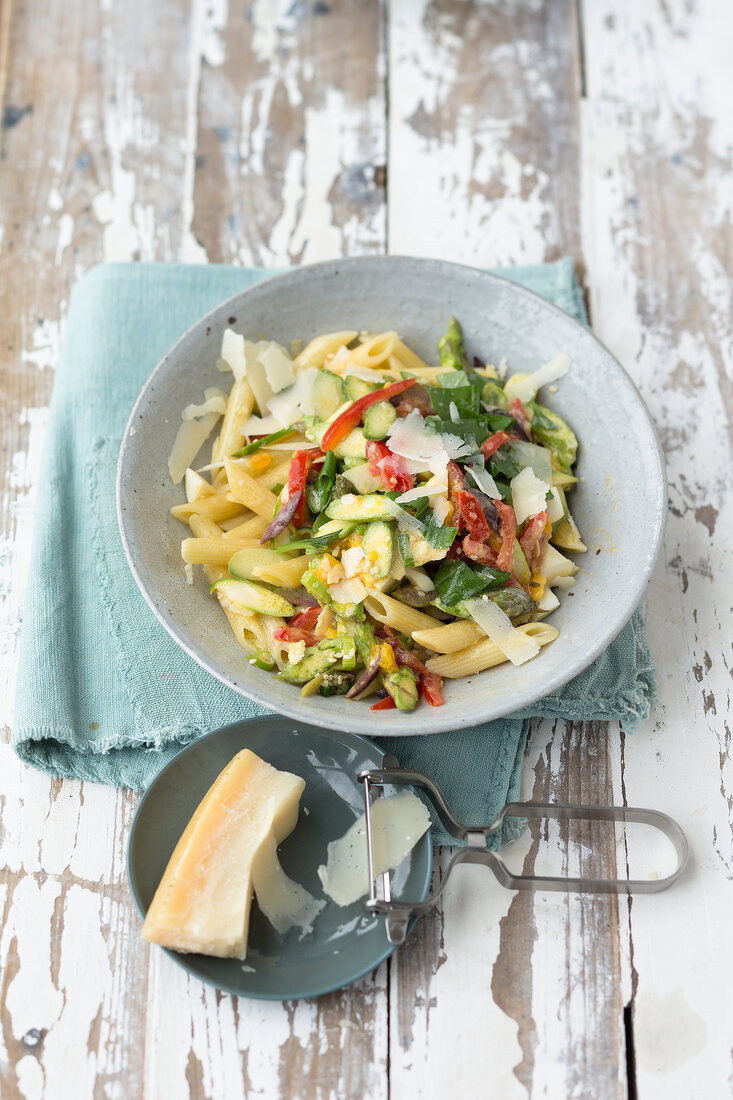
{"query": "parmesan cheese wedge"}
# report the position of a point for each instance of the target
(203, 901)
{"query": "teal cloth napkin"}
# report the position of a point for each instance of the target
(103, 692)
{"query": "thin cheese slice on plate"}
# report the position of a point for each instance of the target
(398, 822)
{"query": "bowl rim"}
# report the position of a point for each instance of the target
(408, 725)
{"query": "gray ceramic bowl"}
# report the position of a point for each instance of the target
(619, 503)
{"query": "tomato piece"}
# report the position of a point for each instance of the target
(297, 476)
(384, 704)
(471, 515)
(294, 634)
(534, 540)
(307, 618)
(456, 480)
(350, 417)
(389, 466)
(431, 688)
(518, 411)
(498, 439)
(479, 552)
(505, 557)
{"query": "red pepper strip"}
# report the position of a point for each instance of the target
(431, 689)
(389, 466)
(350, 417)
(297, 474)
(294, 634)
(518, 411)
(471, 515)
(505, 557)
(498, 439)
(384, 704)
(307, 618)
(534, 540)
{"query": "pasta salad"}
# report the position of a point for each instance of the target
(371, 524)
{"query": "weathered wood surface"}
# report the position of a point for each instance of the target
(502, 132)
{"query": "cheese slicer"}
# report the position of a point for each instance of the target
(400, 913)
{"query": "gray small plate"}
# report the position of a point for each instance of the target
(345, 943)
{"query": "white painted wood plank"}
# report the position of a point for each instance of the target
(523, 992)
(88, 1009)
(658, 141)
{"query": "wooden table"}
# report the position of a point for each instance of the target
(276, 133)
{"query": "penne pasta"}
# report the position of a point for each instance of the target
(482, 655)
(283, 573)
(215, 508)
(314, 354)
(374, 350)
(246, 490)
(407, 357)
(217, 551)
(238, 411)
(449, 637)
(250, 528)
(398, 615)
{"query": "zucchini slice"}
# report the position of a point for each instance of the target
(358, 509)
(378, 419)
(253, 597)
(329, 393)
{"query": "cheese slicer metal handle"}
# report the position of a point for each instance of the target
(398, 914)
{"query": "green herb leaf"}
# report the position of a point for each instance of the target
(440, 538)
(319, 493)
(456, 581)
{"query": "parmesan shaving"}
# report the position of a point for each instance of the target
(196, 486)
(295, 402)
(216, 401)
(438, 485)
(513, 643)
(483, 478)
(555, 510)
(528, 494)
(404, 519)
(549, 601)
(233, 353)
(441, 510)
(257, 375)
(525, 386)
(257, 425)
(278, 366)
(190, 437)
